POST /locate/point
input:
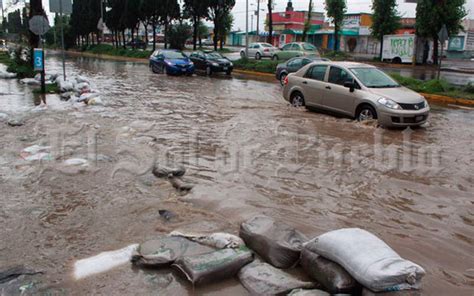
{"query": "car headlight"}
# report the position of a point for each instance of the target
(425, 103)
(389, 103)
(191, 63)
(231, 64)
(215, 64)
(169, 63)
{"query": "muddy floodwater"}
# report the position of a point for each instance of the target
(246, 152)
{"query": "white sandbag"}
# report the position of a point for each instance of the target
(96, 101)
(88, 96)
(263, 279)
(82, 87)
(368, 259)
(30, 81)
(82, 79)
(7, 75)
(76, 162)
(64, 86)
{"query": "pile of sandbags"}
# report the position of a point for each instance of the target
(369, 260)
(78, 90)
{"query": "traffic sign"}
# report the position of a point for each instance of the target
(60, 6)
(443, 35)
(38, 58)
(39, 25)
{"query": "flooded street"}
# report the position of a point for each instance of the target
(246, 152)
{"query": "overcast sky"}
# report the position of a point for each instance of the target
(406, 9)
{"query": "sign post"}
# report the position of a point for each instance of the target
(443, 37)
(61, 7)
(39, 25)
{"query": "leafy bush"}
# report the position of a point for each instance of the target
(19, 62)
(178, 34)
(254, 65)
(110, 50)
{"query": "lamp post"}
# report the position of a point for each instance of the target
(246, 28)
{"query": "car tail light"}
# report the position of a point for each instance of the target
(285, 81)
(266, 50)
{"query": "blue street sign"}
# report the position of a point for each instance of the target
(38, 57)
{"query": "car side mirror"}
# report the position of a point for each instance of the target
(350, 85)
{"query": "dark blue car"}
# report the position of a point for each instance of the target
(171, 62)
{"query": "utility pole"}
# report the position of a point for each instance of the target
(246, 28)
(62, 37)
(258, 20)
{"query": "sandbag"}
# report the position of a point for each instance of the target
(217, 240)
(260, 278)
(277, 243)
(215, 266)
(314, 292)
(368, 259)
(164, 251)
(328, 273)
(161, 171)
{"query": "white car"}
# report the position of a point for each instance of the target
(259, 50)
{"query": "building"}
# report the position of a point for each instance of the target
(462, 45)
(288, 26)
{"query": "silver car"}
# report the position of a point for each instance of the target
(357, 90)
(259, 50)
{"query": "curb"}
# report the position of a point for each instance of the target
(447, 100)
(253, 73)
(106, 56)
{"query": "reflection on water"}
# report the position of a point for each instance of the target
(247, 152)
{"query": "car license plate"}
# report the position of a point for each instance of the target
(225, 68)
(183, 70)
(419, 118)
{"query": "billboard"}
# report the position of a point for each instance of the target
(55, 6)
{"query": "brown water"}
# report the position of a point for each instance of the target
(247, 152)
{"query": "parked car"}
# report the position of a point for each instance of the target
(137, 44)
(296, 49)
(207, 42)
(259, 50)
(171, 62)
(357, 90)
(293, 65)
(211, 62)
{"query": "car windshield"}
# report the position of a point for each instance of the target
(374, 78)
(213, 55)
(266, 45)
(308, 46)
(173, 55)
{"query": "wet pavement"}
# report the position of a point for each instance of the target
(247, 152)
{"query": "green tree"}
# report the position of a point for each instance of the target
(218, 9)
(386, 19)
(431, 15)
(178, 34)
(169, 11)
(336, 10)
(225, 27)
(203, 31)
(196, 10)
(14, 24)
(112, 17)
(307, 24)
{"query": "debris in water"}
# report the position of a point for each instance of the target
(15, 122)
(180, 185)
(167, 215)
(165, 172)
(12, 273)
(103, 262)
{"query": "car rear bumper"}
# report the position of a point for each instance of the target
(403, 118)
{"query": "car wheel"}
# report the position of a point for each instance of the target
(208, 71)
(297, 100)
(282, 78)
(397, 61)
(258, 56)
(154, 69)
(275, 58)
(365, 113)
(242, 54)
(163, 70)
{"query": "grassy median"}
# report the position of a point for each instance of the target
(111, 50)
(264, 66)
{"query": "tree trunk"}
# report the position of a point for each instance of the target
(195, 31)
(123, 40)
(270, 23)
(216, 32)
(154, 37)
(435, 49)
(146, 33)
(336, 35)
(166, 35)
